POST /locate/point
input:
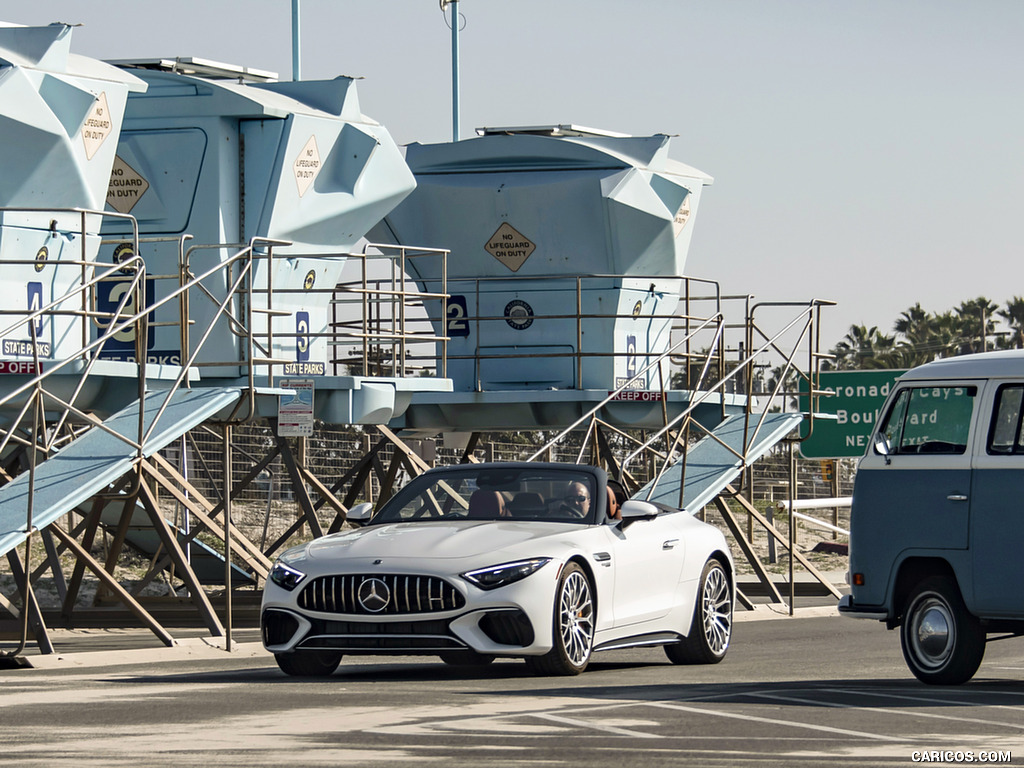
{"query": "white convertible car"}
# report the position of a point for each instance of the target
(476, 561)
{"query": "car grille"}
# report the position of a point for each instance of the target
(429, 636)
(380, 595)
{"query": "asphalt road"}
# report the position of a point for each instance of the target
(791, 692)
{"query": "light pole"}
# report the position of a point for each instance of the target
(296, 75)
(455, 63)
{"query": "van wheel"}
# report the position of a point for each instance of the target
(942, 643)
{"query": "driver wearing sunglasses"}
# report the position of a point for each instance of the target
(576, 502)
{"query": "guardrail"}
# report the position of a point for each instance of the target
(709, 378)
(583, 345)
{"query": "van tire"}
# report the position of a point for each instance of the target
(942, 643)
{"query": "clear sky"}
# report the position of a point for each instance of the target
(865, 151)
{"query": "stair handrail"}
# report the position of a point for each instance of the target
(746, 364)
(715, 320)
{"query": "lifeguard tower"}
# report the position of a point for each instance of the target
(60, 118)
(234, 159)
(204, 296)
(568, 247)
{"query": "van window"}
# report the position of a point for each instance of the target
(930, 420)
(1004, 435)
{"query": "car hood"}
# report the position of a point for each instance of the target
(449, 539)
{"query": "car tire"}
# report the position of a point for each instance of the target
(466, 658)
(573, 626)
(942, 643)
(308, 663)
(711, 628)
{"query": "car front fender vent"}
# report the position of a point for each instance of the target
(380, 595)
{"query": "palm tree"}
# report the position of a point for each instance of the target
(977, 322)
(946, 335)
(1014, 317)
(925, 337)
(864, 347)
(914, 323)
(917, 329)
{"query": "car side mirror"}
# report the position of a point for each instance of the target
(360, 513)
(882, 447)
(634, 509)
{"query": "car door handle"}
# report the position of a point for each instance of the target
(956, 497)
(670, 544)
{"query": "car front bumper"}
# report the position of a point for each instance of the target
(515, 620)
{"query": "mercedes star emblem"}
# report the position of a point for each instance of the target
(374, 595)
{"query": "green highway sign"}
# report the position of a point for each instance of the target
(846, 413)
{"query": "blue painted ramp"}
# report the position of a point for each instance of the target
(710, 466)
(88, 464)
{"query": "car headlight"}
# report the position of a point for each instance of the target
(501, 575)
(285, 576)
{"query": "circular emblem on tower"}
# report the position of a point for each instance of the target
(374, 595)
(122, 253)
(41, 256)
(309, 281)
(519, 314)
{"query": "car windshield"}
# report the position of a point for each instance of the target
(494, 493)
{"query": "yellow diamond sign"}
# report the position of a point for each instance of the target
(307, 165)
(97, 126)
(126, 186)
(510, 247)
(682, 216)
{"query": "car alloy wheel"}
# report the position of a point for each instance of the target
(711, 628)
(573, 633)
(576, 618)
(717, 610)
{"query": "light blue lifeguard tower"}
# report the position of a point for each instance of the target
(60, 117)
(228, 204)
(235, 159)
(568, 249)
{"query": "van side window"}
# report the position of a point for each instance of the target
(930, 420)
(1004, 435)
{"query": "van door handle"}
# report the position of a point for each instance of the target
(956, 497)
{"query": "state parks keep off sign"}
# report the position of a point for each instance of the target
(846, 413)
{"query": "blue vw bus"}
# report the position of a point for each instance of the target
(937, 524)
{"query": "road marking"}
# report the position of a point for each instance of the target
(932, 700)
(774, 721)
(884, 710)
(596, 726)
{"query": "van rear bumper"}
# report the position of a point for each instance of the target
(848, 609)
